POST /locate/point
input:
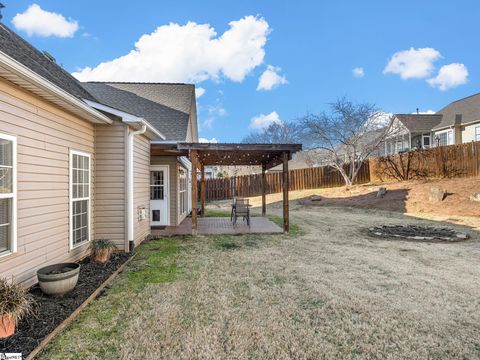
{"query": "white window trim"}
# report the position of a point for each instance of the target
(475, 129)
(180, 214)
(12, 195)
(70, 197)
(429, 141)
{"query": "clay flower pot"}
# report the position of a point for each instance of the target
(102, 256)
(7, 326)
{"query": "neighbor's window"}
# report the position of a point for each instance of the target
(183, 200)
(79, 198)
(445, 138)
(8, 145)
(477, 133)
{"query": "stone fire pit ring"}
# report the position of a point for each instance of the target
(418, 233)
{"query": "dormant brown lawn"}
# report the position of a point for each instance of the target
(329, 292)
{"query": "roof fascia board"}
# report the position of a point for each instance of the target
(43, 84)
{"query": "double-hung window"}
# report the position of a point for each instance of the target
(80, 198)
(183, 198)
(477, 133)
(8, 191)
(445, 138)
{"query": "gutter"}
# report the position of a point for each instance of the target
(44, 86)
(130, 222)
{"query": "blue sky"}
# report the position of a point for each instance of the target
(310, 48)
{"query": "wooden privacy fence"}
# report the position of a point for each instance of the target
(300, 179)
(440, 162)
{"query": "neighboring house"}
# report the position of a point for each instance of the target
(457, 123)
(75, 160)
(210, 172)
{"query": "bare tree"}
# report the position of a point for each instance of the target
(349, 133)
(276, 133)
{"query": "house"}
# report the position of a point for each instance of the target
(75, 160)
(456, 123)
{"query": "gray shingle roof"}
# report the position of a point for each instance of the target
(468, 107)
(170, 122)
(416, 123)
(175, 96)
(20, 50)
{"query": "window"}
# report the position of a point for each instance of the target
(183, 199)
(80, 201)
(8, 187)
(445, 138)
(157, 185)
(426, 141)
(477, 133)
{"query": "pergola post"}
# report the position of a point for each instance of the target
(203, 190)
(286, 223)
(264, 190)
(194, 160)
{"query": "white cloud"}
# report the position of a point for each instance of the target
(188, 53)
(413, 63)
(213, 112)
(262, 121)
(450, 76)
(428, 112)
(270, 78)
(36, 21)
(205, 140)
(358, 72)
(199, 92)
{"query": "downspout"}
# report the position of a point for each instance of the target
(130, 222)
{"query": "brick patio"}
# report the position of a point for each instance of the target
(221, 226)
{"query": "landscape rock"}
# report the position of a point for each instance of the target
(381, 192)
(437, 194)
(316, 198)
(475, 197)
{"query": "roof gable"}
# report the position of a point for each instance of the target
(170, 122)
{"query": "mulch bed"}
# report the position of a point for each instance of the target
(49, 312)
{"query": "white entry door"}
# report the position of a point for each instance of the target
(159, 196)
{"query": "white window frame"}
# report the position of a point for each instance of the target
(71, 199)
(429, 141)
(449, 133)
(477, 133)
(13, 195)
(180, 191)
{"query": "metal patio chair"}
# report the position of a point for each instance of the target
(240, 208)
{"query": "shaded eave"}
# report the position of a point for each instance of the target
(268, 155)
(24, 77)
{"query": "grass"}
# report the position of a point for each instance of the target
(330, 291)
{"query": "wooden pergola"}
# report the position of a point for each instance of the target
(209, 154)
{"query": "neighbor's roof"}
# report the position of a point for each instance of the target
(20, 50)
(468, 107)
(419, 122)
(171, 122)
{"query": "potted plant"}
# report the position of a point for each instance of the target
(14, 304)
(101, 249)
(58, 279)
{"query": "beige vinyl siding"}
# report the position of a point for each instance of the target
(468, 133)
(172, 163)
(45, 136)
(141, 187)
(110, 183)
